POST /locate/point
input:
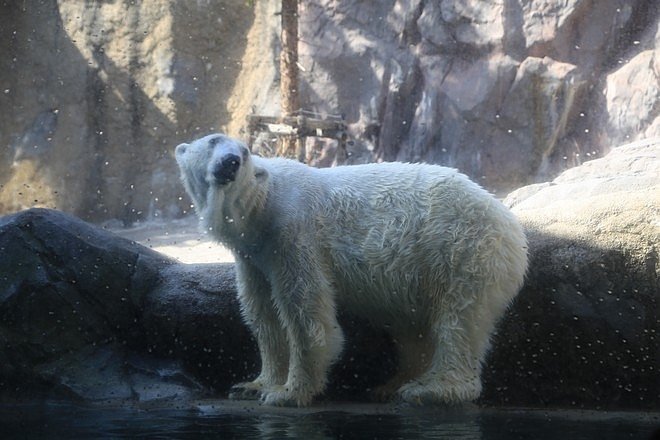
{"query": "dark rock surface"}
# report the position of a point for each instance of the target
(71, 311)
(584, 331)
(85, 314)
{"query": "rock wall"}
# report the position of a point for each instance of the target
(100, 92)
(510, 92)
(96, 94)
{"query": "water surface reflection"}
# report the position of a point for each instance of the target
(56, 420)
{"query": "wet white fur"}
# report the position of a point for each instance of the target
(417, 248)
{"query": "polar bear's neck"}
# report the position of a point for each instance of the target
(230, 213)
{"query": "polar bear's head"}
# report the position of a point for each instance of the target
(215, 162)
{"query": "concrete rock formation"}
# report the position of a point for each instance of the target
(591, 306)
(96, 93)
(509, 92)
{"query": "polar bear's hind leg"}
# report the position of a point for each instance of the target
(461, 339)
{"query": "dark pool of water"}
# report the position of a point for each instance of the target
(208, 420)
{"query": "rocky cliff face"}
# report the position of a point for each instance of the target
(96, 94)
(510, 92)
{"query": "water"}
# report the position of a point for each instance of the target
(226, 421)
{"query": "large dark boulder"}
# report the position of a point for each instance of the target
(85, 314)
(585, 329)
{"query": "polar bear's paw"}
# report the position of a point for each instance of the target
(246, 391)
(440, 392)
(281, 395)
(388, 391)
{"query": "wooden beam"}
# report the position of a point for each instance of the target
(300, 126)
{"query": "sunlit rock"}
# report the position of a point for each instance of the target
(585, 329)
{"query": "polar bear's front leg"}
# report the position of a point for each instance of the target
(306, 306)
(254, 294)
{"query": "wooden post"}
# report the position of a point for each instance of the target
(290, 98)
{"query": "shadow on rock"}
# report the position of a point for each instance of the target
(85, 314)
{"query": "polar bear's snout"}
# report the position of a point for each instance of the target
(225, 168)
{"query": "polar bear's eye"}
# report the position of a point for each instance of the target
(214, 141)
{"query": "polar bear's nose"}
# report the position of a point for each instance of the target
(224, 171)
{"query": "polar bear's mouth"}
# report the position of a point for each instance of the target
(225, 169)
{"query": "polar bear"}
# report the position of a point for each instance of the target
(418, 249)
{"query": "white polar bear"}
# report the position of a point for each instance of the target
(419, 249)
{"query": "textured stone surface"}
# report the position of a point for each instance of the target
(99, 94)
(70, 316)
(586, 326)
(632, 95)
(510, 92)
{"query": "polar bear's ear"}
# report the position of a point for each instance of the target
(245, 152)
(180, 150)
(261, 174)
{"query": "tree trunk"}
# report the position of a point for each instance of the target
(290, 99)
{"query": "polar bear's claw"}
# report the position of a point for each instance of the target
(281, 396)
(245, 391)
(440, 393)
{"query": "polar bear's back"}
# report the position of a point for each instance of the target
(416, 232)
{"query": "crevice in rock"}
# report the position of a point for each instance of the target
(644, 17)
